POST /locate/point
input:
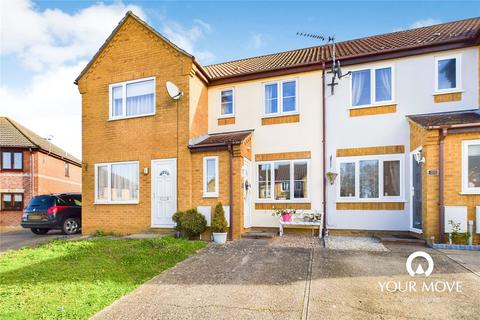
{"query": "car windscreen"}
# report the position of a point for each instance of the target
(40, 203)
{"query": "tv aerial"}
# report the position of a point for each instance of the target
(336, 69)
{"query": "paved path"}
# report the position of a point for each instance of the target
(256, 279)
(17, 239)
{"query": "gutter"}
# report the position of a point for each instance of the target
(230, 188)
(324, 141)
(441, 183)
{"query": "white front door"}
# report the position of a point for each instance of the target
(164, 192)
(247, 194)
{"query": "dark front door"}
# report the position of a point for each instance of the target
(417, 194)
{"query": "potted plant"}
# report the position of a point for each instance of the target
(219, 225)
(331, 176)
(285, 214)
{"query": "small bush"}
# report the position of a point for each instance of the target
(219, 223)
(177, 218)
(100, 233)
(193, 223)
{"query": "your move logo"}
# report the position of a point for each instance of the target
(419, 270)
(424, 267)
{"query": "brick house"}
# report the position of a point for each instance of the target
(261, 133)
(29, 166)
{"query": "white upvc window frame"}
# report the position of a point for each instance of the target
(292, 184)
(373, 102)
(109, 183)
(381, 197)
(207, 194)
(458, 73)
(226, 115)
(124, 98)
(280, 111)
(465, 188)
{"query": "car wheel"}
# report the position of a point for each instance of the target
(71, 226)
(39, 230)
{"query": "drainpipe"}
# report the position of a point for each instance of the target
(324, 162)
(230, 188)
(441, 169)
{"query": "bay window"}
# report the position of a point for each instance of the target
(132, 98)
(471, 166)
(280, 97)
(447, 73)
(371, 178)
(117, 182)
(371, 86)
(283, 180)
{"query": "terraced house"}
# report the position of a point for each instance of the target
(397, 135)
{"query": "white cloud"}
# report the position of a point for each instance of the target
(187, 38)
(257, 41)
(53, 37)
(420, 23)
(50, 105)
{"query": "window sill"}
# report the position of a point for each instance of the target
(132, 117)
(437, 93)
(374, 105)
(226, 116)
(112, 202)
(369, 200)
(469, 193)
(213, 195)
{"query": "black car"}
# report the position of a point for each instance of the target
(55, 211)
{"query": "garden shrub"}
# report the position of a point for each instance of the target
(219, 223)
(192, 223)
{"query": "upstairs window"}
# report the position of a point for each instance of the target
(471, 166)
(132, 98)
(226, 97)
(12, 160)
(371, 86)
(371, 178)
(447, 73)
(281, 97)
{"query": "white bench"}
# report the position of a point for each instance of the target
(298, 222)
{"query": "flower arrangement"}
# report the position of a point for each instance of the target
(285, 214)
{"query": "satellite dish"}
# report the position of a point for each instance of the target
(173, 91)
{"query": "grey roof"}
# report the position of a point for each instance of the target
(13, 134)
(445, 119)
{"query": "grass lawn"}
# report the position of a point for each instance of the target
(75, 279)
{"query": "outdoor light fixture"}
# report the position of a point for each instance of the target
(418, 157)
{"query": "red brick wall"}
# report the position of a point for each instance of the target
(48, 177)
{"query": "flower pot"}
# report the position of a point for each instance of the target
(219, 237)
(287, 217)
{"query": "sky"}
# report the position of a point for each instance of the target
(45, 44)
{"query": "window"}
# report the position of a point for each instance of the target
(210, 177)
(12, 201)
(117, 182)
(12, 160)
(283, 181)
(372, 86)
(281, 97)
(447, 73)
(67, 169)
(226, 97)
(471, 166)
(371, 178)
(132, 98)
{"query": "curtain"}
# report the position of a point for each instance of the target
(140, 98)
(124, 182)
(474, 166)
(383, 84)
(102, 183)
(360, 87)
(117, 99)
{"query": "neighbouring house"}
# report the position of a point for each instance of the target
(261, 133)
(31, 165)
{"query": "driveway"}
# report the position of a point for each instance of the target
(258, 279)
(17, 239)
